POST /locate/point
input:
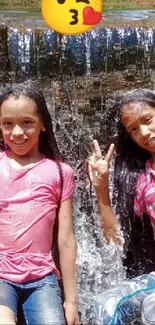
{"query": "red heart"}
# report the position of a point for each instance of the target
(90, 16)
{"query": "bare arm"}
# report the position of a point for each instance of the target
(99, 175)
(67, 252)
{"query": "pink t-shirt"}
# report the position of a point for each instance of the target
(29, 197)
(145, 195)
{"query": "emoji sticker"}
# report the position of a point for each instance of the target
(72, 16)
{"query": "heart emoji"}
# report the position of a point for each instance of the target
(90, 16)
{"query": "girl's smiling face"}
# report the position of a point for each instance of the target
(139, 121)
(20, 125)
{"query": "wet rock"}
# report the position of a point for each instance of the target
(4, 60)
(82, 77)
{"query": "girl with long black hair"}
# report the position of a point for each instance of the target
(36, 188)
(133, 195)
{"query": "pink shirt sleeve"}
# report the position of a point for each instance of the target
(139, 206)
(68, 182)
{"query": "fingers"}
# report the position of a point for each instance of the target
(110, 153)
(77, 321)
(97, 149)
(107, 238)
(112, 234)
(98, 152)
(116, 239)
(91, 163)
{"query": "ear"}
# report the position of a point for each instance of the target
(43, 129)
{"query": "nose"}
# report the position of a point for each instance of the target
(144, 131)
(17, 131)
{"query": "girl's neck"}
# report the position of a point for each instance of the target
(26, 159)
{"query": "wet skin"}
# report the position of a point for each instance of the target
(139, 121)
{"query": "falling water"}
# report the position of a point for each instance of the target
(81, 77)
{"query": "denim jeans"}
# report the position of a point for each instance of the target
(40, 300)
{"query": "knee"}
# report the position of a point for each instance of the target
(7, 316)
(55, 315)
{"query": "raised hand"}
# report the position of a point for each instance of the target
(98, 166)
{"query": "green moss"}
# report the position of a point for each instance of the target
(128, 4)
(107, 4)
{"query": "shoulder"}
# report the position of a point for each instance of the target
(66, 169)
(55, 166)
(67, 173)
(3, 154)
(144, 178)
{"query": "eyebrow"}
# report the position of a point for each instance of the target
(85, 1)
(21, 117)
(143, 116)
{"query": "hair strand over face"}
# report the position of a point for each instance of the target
(130, 161)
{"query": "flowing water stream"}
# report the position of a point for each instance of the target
(81, 77)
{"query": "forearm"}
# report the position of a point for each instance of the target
(68, 253)
(105, 208)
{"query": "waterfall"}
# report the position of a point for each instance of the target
(81, 76)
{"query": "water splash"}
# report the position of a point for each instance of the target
(81, 77)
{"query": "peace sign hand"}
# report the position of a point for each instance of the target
(99, 175)
(98, 167)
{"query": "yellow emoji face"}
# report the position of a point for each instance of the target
(72, 16)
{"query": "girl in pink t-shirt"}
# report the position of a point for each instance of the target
(36, 190)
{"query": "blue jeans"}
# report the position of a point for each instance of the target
(40, 299)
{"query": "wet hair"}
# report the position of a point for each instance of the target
(129, 163)
(47, 142)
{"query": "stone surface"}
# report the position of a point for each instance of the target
(82, 76)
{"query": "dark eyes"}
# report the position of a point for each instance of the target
(147, 119)
(26, 122)
(7, 123)
(133, 130)
(61, 2)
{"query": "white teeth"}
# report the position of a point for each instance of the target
(19, 142)
(151, 141)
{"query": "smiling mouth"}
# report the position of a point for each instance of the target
(19, 143)
(151, 141)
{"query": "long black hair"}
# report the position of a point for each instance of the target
(129, 163)
(47, 141)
